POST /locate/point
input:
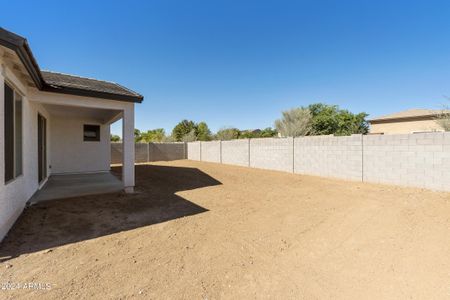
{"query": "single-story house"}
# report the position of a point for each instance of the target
(53, 124)
(408, 121)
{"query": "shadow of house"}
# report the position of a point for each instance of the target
(55, 223)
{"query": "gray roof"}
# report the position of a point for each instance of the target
(60, 80)
(62, 83)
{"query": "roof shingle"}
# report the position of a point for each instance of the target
(70, 81)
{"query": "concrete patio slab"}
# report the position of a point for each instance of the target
(75, 185)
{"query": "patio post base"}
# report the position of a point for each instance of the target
(129, 189)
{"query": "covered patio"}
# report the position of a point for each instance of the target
(56, 131)
(77, 146)
(77, 185)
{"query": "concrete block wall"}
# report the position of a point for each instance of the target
(116, 153)
(329, 156)
(211, 151)
(417, 160)
(147, 152)
(166, 151)
(141, 152)
(193, 151)
(272, 154)
(236, 152)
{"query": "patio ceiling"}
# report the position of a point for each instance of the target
(101, 115)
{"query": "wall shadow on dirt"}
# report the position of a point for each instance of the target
(55, 223)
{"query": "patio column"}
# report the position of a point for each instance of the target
(2, 123)
(128, 148)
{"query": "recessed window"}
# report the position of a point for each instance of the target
(13, 134)
(91, 133)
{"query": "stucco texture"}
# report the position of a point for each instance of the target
(405, 127)
(70, 154)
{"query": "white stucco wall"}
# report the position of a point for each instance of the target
(66, 151)
(15, 194)
(70, 154)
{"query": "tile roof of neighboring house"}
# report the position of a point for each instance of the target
(62, 83)
(410, 113)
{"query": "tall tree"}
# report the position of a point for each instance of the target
(226, 134)
(183, 128)
(203, 132)
(257, 133)
(268, 132)
(115, 138)
(154, 135)
(137, 135)
(190, 137)
(330, 119)
(444, 121)
(443, 118)
(294, 122)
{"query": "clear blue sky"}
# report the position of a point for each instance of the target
(240, 63)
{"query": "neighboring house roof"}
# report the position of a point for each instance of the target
(409, 114)
(62, 83)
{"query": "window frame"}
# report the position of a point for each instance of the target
(93, 127)
(16, 94)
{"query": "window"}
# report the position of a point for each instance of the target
(91, 133)
(13, 134)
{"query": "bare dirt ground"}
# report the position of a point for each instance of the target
(207, 231)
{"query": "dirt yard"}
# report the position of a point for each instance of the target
(208, 231)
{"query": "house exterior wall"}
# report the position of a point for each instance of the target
(70, 154)
(15, 194)
(405, 127)
(63, 149)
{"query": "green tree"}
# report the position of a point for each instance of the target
(443, 118)
(226, 134)
(330, 119)
(203, 132)
(268, 132)
(190, 137)
(444, 121)
(294, 122)
(154, 135)
(115, 138)
(247, 134)
(183, 128)
(137, 135)
(168, 139)
(257, 133)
